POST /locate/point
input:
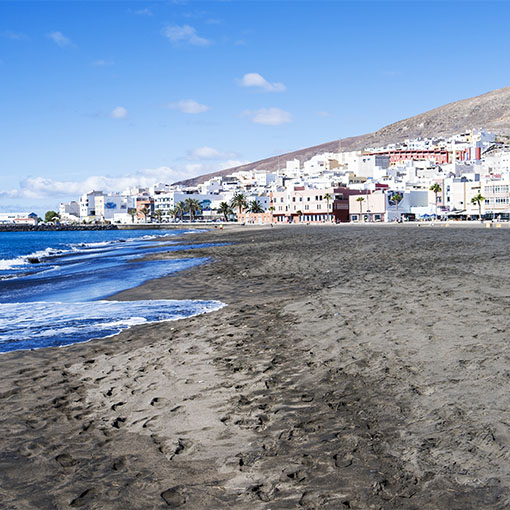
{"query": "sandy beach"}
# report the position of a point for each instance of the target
(361, 367)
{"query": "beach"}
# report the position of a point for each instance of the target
(353, 367)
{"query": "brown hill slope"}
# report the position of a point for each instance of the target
(490, 111)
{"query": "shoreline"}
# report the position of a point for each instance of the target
(340, 374)
(227, 225)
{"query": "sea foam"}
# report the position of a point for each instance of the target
(52, 324)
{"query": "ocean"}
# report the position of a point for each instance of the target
(54, 285)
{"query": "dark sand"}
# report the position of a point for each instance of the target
(355, 367)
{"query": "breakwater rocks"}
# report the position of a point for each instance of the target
(55, 228)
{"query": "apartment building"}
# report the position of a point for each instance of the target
(302, 205)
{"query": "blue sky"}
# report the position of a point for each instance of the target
(105, 94)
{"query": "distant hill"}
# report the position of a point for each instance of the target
(490, 111)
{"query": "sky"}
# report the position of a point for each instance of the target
(109, 94)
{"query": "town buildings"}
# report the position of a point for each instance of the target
(378, 184)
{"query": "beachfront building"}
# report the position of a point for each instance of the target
(19, 218)
(107, 206)
(497, 198)
(303, 205)
(166, 202)
(387, 205)
(494, 188)
(458, 192)
(69, 212)
(88, 205)
(368, 207)
(144, 209)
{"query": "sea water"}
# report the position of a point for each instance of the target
(53, 285)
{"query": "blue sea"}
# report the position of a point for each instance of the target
(54, 285)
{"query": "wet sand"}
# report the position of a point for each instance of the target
(354, 367)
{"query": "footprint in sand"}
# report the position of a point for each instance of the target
(174, 497)
(159, 402)
(65, 460)
(84, 498)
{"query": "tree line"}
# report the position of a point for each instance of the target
(193, 208)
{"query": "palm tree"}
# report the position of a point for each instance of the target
(239, 201)
(132, 212)
(158, 213)
(255, 207)
(174, 212)
(397, 198)
(436, 189)
(192, 206)
(328, 197)
(180, 209)
(146, 213)
(360, 200)
(197, 207)
(224, 209)
(272, 209)
(478, 199)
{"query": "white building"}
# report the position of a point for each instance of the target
(371, 166)
(106, 206)
(497, 162)
(166, 202)
(69, 212)
(19, 218)
(88, 205)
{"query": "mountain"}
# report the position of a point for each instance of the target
(490, 111)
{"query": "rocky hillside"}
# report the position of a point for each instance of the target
(490, 111)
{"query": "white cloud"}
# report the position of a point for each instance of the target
(188, 106)
(40, 187)
(257, 80)
(14, 36)
(210, 153)
(185, 34)
(59, 39)
(144, 12)
(269, 116)
(119, 113)
(195, 168)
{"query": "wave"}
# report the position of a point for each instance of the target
(31, 258)
(55, 324)
(36, 257)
